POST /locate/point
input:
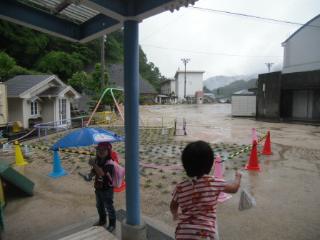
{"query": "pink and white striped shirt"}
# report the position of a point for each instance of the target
(197, 200)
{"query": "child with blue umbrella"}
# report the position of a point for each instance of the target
(103, 174)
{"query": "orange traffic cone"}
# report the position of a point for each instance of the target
(267, 145)
(253, 163)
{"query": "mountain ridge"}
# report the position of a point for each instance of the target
(219, 81)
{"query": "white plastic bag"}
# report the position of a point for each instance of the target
(247, 201)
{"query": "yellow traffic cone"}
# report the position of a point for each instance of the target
(19, 157)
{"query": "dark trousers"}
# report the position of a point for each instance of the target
(104, 200)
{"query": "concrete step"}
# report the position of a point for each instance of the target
(156, 230)
(68, 230)
(75, 228)
(92, 233)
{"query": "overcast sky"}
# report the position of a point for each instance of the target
(222, 44)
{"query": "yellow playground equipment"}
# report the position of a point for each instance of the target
(106, 117)
(17, 127)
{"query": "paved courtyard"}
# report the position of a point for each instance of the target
(286, 190)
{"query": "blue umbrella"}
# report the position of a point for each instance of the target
(80, 138)
(87, 137)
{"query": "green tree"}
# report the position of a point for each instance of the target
(23, 44)
(80, 81)
(6, 64)
(149, 71)
(91, 85)
(9, 69)
(114, 47)
(87, 53)
(60, 63)
(18, 70)
(38, 51)
(96, 78)
(96, 90)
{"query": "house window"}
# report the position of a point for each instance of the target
(34, 108)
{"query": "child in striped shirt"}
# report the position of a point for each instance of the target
(197, 197)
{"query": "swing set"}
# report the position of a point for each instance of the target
(119, 107)
(107, 90)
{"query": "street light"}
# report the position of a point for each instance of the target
(185, 61)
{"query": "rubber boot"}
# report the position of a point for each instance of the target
(112, 225)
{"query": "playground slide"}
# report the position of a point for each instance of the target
(8, 174)
(11, 176)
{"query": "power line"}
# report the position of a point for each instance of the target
(206, 53)
(251, 16)
(163, 27)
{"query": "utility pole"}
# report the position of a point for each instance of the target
(103, 40)
(185, 61)
(269, 65)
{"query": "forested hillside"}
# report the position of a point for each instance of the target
(228, 90)
(25, 51)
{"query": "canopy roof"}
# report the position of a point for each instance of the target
(82, 20)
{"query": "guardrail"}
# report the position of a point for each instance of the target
(63, 124)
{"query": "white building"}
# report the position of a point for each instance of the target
(168, 87)
(3, 105)
(194, 83)
(243, 104)
(294, 93)
(301, 49)
(39, 98)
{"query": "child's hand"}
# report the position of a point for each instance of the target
(88, 177)
(174, 209)
(233, 187)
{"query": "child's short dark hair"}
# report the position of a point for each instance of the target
(197, 159)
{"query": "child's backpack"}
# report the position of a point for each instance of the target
(115, 156)
(118, 174)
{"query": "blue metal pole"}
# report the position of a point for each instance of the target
(131, 96)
